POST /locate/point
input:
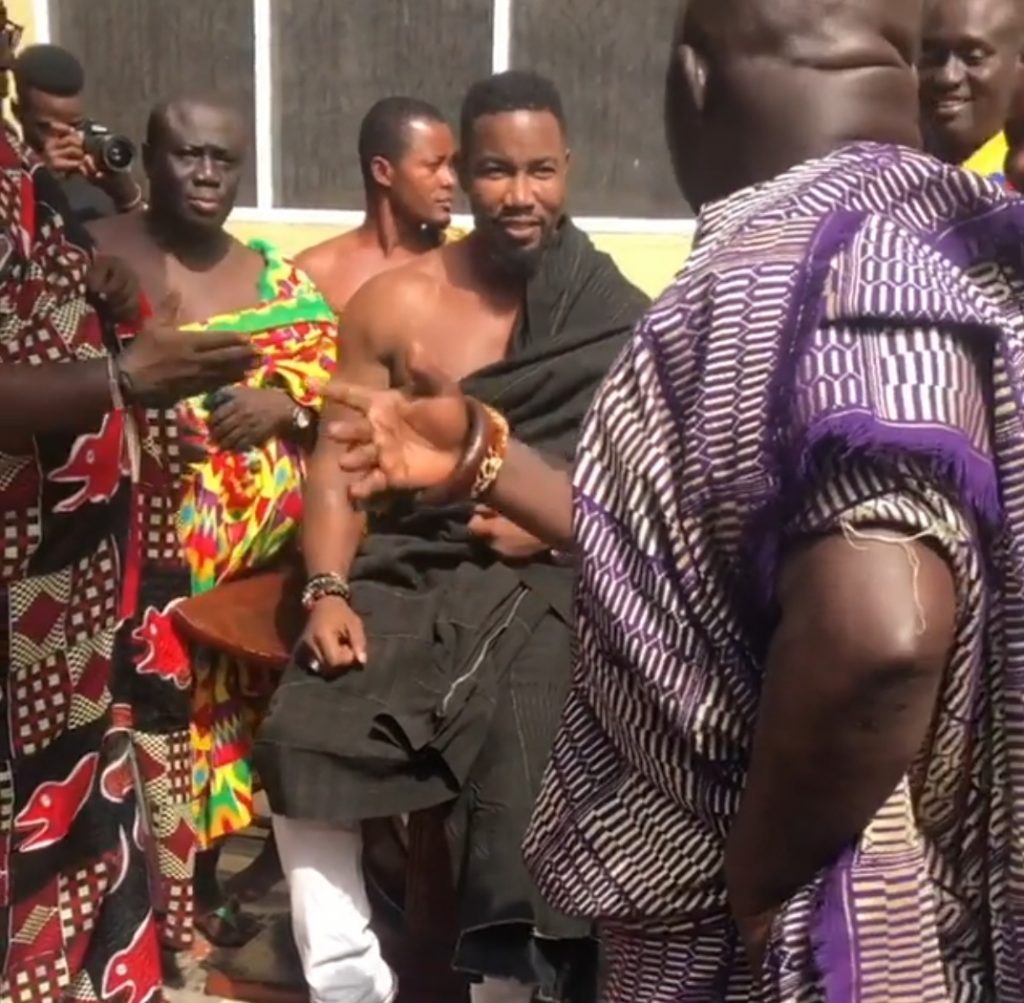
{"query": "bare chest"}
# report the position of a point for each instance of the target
(464, 333)
(227, 288)
(342, 282)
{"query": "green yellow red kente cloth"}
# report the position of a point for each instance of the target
(238, 511)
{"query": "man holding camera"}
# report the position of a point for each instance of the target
(93, 165)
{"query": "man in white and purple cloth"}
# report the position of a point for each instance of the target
(791, 766)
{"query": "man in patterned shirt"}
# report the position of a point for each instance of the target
(791, 766)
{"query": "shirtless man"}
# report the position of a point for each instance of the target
(194, 155)
(405, 152)
(460, 618)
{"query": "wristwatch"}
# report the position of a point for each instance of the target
(302, 418)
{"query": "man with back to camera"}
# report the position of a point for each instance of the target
(50, 108)
(436, 681)
(971, 59)
(406, 151)
(791, 764)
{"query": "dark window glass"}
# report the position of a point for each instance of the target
(334, 58)
(608, 58)
(139, 52)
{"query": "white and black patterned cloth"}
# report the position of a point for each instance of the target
(843, 348)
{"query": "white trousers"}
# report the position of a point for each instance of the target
(340, 953)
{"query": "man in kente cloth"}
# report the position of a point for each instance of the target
(76, 913)
(205, 518)
(406, 154)
(971, 60)
(791, 765)
(436, 652)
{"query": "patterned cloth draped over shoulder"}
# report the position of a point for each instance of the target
(238, 513)
(843, 349)
(238, 509)
(76, 916)
(198, 524)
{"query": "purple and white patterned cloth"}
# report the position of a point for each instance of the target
(845, 347)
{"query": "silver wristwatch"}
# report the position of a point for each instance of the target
(302, 418)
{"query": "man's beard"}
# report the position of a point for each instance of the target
(513, 260)
(518, 262)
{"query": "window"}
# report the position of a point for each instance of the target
(366, 49)
(608, 59)
(137, 52)
(306, 71)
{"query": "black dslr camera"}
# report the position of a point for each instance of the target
(109, 151)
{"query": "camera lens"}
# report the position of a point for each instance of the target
(109, 150)
(118, 154)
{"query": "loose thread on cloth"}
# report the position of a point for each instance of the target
(853, 535)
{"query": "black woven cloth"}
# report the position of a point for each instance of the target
(468, 658)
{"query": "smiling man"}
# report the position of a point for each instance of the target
(457, 619)
(970, 64)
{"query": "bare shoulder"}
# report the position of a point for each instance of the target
(387, 308)
(321, 259)
(244, 252)
(395, 290)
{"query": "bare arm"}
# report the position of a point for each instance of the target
(849, 694)
(51, 398)
(535, 495)
(332, 528)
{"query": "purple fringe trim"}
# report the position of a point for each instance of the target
(834, 933)
(946, 452)
(805, 314)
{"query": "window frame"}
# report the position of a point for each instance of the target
(265, 211)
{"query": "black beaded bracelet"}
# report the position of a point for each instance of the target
(321, 586)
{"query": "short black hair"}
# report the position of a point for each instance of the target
(384, 130)
(49, 69)
(513, 90)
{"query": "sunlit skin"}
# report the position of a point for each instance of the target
(422, 182)
(408, 208)
(196, 167)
